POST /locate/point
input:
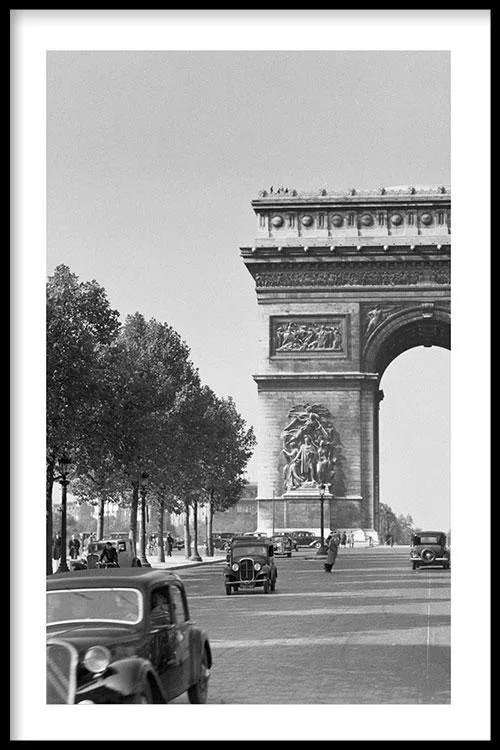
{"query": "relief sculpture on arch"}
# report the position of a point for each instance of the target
(310, 447)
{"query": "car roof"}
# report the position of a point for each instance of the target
(143, 578)
(423, 533)
(250, 539)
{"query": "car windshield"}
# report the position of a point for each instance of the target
(243, 550)
(121, 605)
(427, 539)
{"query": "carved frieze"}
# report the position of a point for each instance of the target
(407, 273)
(308, 335)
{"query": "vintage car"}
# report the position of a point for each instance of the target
(222, 541)
(303, 538)
(283, 544)
(315, 542)
(115, 637)
(250, 564)
(124, 547)
(429, 548)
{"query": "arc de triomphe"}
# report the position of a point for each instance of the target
(345, 282)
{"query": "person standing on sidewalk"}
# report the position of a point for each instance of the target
(74, 547)
(331, 553)
(170, 544)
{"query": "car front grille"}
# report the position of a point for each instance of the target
(62, 659)
(246, 569)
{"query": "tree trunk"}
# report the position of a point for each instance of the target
(133, 515)
(210, 519)
(161, 513)
(196, 554)
(100, 523)
(187, 534)
(143, 557)
(49, 528)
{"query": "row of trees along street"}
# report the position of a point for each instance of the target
(399, 527)
(129, 416)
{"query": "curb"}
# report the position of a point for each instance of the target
(193, 564)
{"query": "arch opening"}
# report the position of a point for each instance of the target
(414, 436)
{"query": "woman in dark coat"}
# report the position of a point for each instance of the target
(331, 553)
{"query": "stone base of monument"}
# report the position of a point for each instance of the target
(301, 509)
(307, 491)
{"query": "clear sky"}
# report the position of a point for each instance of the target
(153, 158)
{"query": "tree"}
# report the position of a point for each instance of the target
(399, 527)
(156, 378)
(80, 329)
(224, 451)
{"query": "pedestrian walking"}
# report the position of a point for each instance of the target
(344, 539)
(351, 539)
(331, 553)
(74, 547)
(170, 544)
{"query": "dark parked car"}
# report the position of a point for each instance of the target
(303, 538)
(250, 564)
(283, 544)
(429, 548)
(123, 637)
(222, 541)
(315, 542)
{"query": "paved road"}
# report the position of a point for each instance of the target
(373, 631)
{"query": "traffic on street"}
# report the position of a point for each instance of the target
(374, 631)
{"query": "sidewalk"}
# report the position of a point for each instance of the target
(179, 560)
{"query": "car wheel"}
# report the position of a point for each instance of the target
(317, 545)
(446, 566)
(198, 692)
(273, 584)
(266, 586)
(414, 566)
(136, 563)
(228, 590)
(288, 554)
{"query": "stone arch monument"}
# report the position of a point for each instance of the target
(345, 282)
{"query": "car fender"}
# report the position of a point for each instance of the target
(125, 677)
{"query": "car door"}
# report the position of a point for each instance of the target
(182, 625)
(162, 639)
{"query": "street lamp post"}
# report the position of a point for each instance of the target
(64, 464)
(322, 550)
(144, 491)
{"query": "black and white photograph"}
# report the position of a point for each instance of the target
(250, 450)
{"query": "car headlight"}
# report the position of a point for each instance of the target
(97, 659)
(257, 566)
(235, 567)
